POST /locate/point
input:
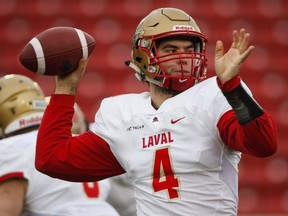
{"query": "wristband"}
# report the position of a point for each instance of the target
(244, 106)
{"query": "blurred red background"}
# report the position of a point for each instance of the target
(263, 186)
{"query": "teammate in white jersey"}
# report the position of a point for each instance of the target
(24, 190)
(181, 142)
(121, 195)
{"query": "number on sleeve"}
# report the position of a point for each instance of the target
(163, 176)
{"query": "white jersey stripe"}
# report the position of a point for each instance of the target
(83, 43)
(39, 55)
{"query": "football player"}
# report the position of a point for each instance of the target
(24, 190)
(181, 142)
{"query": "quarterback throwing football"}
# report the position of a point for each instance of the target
(181, 142)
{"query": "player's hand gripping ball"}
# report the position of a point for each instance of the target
(57, 51)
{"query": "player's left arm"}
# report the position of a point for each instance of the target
(247, 127)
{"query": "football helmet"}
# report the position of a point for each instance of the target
(164, 24)
(22, 103)
(79, 121)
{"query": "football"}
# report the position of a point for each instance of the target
(56, 51)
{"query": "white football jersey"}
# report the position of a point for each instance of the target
(173, 156)
(48, 196)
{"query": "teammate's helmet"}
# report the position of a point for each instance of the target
(22, 103)
(79, 121)
(161, 24)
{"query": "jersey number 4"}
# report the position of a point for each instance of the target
(163, 175)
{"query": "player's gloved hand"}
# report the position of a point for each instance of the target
(228, 65)
(68, 84)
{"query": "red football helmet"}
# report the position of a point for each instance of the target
(162, 24)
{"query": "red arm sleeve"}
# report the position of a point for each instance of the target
(258, 138)
(82, 158)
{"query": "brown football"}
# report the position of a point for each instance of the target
(56, 51)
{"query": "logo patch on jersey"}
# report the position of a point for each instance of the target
(137, 127)
(155, 119)
(176, 120)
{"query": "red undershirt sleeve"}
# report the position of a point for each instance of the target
(257, 138)
(86, 157)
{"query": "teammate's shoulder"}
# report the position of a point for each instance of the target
(11, 147)
(21, 140)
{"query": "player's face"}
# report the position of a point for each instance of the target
(176, 60)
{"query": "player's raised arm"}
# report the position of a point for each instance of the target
(55, 140)
(69, 83)
(249, 128)
(228, 65)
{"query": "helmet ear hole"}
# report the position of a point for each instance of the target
(13, 110)
(138, 59)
